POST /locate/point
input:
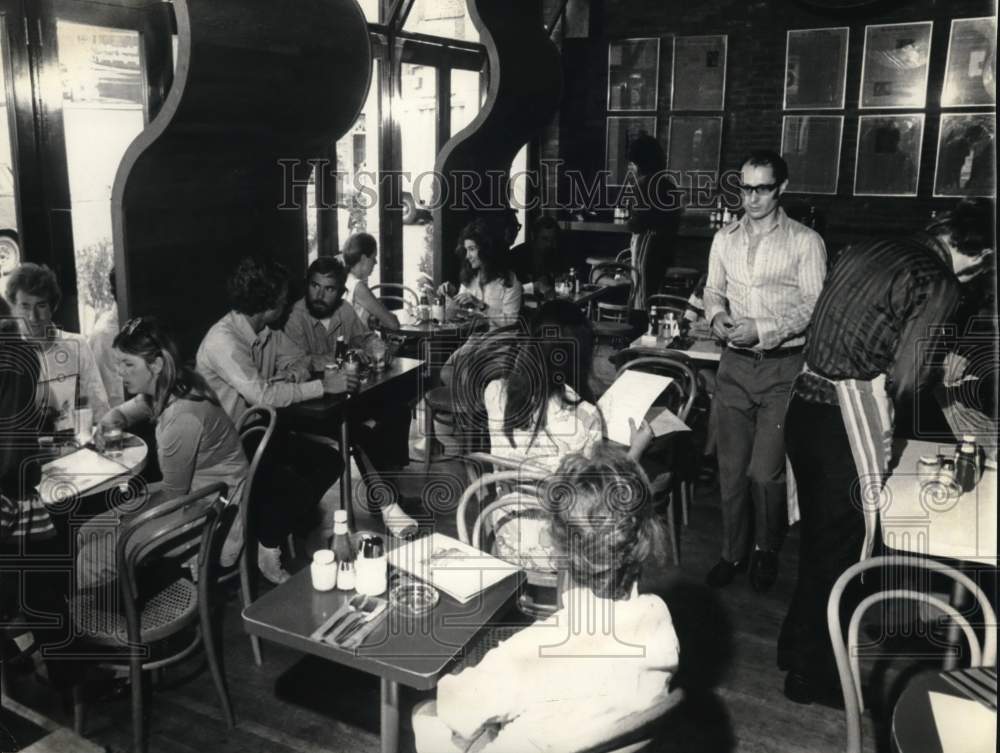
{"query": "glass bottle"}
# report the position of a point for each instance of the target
(340, 351)
(967, 463)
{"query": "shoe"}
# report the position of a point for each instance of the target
(269, 563)
(764, 570)
(798, 689)
(397, 522)
(723, 573)
(784, 659)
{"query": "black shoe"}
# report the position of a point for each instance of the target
(764, 570)
(784, 659)
(798, 689)
(723, 573)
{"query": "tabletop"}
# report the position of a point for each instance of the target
(411, 650)
(916, 520)
(707, 351)
(940, 712)
(433, 328)
(87, 471)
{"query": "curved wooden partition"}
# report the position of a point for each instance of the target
(524, 90)
(257, 82)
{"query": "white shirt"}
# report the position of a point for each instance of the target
(101, 339)
(70, 370)
(351, 284)
(503, 302)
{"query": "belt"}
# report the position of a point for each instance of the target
(761, 355)
(815, 389)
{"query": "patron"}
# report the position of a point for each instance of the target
(360, 255)
(487, 283)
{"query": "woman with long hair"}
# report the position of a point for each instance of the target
(487, 284)
(197, 443)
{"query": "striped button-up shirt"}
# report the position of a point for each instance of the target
(775, 285)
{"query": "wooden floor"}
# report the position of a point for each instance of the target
(306, 705)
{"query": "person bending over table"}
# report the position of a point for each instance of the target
(246, 362)
(34, 294)
(360, 255)
(560, 680)
(487, 284)
(314, 325)
(196, 442)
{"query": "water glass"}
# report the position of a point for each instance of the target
(114, 442)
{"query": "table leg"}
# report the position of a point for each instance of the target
(390, 716)
(346, 491)
(954, 639)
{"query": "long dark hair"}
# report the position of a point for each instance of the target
(558, 354)
(21, 419)
(146, 338)
(493, 265)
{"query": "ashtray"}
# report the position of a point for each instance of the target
(415, 598)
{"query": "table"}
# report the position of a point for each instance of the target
(914, 729)
(398, 384)
(75, 474)
(407, 650)
(703, 351)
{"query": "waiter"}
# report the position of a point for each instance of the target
(875, 325)
(765, 272)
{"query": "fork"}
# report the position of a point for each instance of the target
(357, 617)
(349, 609)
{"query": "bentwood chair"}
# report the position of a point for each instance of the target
(396, 293)
(848, 656)
(152, 615)
(612, 318)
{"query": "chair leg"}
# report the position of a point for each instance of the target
(672, 527)
(79, 710)
(211, 653)
(429, 435)
(138, 703)
(247, 597)
(687, 492)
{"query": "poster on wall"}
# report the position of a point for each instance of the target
(699, 72)
(622, 131)
(810, 145)
(693, 146)
(633, 74)
(970, 75)
(894, 65)
(888, 156)
(965, 155)
(816, 69)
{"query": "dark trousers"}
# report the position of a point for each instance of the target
(751, 397)
(832, 533)
(292, 478)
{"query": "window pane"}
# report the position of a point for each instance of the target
(103, 111)
(518, 188)
(10, 253)
(465, 101)
(418, 108)
(358, 166)
(442, 18)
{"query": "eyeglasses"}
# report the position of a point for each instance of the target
(761, 190)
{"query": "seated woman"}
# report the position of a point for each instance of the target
(570, 679)
(487, 284)
(545, 411)
(360, 256)
(197, 443)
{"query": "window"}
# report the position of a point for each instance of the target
(442, 18)
(418, 117)
(10, 252)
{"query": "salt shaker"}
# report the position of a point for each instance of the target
(371, 567)
(323, 570)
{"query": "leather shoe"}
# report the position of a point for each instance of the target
(723, 573)
(764, 570)
(798, 689)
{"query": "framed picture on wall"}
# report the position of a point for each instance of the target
(699, 72)
(810, 145)
(633, 74)
(693, 146)
(965, 155)
(894, 65)
(816, 69)
(970, 75)
(888, 155)
(622, 131)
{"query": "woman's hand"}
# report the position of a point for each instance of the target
(446, 289)
(113, 419)
(639, 438)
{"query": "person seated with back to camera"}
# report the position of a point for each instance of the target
(360, 255)
(570, 678)
(196, 442)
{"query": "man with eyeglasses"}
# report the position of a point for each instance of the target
(765, 273)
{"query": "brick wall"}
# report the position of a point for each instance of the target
(756, 32)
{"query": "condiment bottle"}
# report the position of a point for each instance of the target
(967, 463)
(372, 567)
(437, 310)
(340, 350)
(323, 570)
(343, 551)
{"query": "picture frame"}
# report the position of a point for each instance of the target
(694, 145)
(811, 146)
(970, 75)
(895, 65)
(633, 74)
(808, 55)
(621, 131)
(887, 159)
(965, 155)
(698, 72)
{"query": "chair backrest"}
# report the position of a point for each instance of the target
(171, 527)
(395, 292)
(256, 427)
(847, 657)
(666, 302)
(481, 487)
(624, 256)
(683, 390)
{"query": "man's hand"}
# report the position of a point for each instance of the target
(638, 438)
(955, 367)
(722, 324)
(744, 333)
(339, 382)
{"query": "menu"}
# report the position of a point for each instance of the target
(630, 397)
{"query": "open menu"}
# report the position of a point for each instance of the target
(460, 570)
(75, 474)
(631, 397)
